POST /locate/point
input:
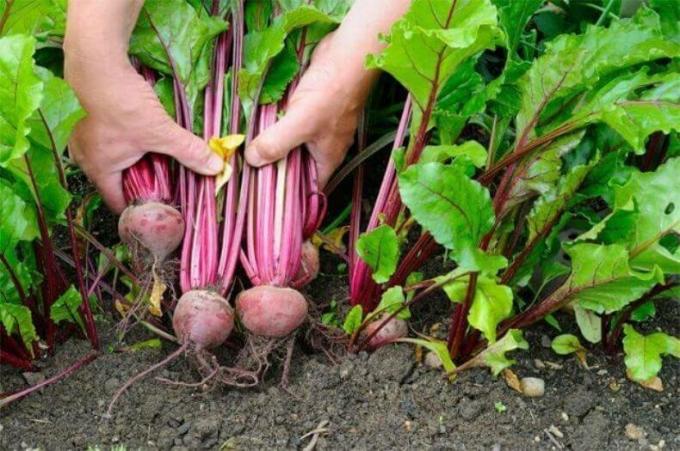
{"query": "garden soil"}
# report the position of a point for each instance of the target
(385, 400)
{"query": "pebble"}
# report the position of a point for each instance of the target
(546, 342)
(533, 387)
(33, 378)
(184, 428)
(432, 360)
(111, 385)
(538, 363)
(634, 432)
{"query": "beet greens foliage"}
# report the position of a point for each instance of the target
(37, 114)
(569, 201)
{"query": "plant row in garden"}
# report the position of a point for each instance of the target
(564, 200)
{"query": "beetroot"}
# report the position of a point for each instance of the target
(203, 319)
(309, 265)
(156, 227)
(396, 328)
(271, 311)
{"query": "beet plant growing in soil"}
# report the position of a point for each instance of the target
(536, 162)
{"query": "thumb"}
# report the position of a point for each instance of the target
(190, 150)
(274, 143)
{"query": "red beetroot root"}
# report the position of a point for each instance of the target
(203, 318)
(271, 311)
(155, 226)
(309, 266)
(396, 328)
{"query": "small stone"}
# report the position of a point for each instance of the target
(555, 431)
(537, 439)
(546, 342)
(111, 385)
(432, 360)
(634, 432)
(33, 378)
(565, 417)
(538, 363)
(602, 372)
(184, 428)
(534, 387)
(496, 447)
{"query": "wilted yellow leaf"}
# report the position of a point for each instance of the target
(156, 296)
(512, 380)
(121, 308)
(225, 147)
(332, 241)
(653, 383)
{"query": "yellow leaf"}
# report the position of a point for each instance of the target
(156, 296)
(223, 178)
(226, 146)
(333, 241)
(121, 308)
(512, 380)
(653, 383)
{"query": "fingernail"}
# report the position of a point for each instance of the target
(215, 164)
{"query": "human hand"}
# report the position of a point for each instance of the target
(125, 119)
(324, 110)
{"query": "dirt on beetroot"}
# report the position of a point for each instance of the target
(384, 400)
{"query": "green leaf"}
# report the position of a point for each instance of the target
(261, 48)
(391, 301)
(39, 18)
(283, 70)
(61, 112)
(353, 320)
(17, 318)
(20, 95)
(542, 173)
(436, 346)
(513, 17)
(463, 95)
(657, 199)
(170, 36)
(19, 221)
(669, 11)
(589, 323)
(566, 344)
(491, 303)
(434, 37)
(472, 151)
(644, 312)
(456, 210)
(22, 261)
(602, 279)
(643, 353)
(573, 64)
(66, 308)
(494, 355)
(632, 115)
(379, 248)
(553, 202)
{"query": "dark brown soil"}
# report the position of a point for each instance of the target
(380, 401)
